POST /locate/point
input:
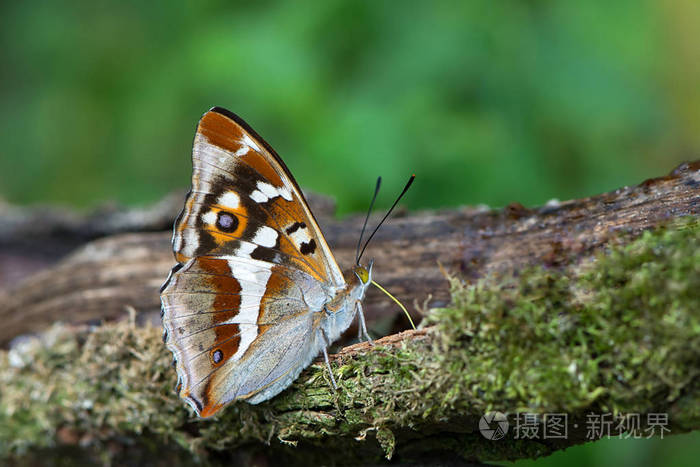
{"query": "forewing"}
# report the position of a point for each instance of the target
(239, 328)
(244, 202)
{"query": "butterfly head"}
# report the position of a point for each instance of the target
(364, 274)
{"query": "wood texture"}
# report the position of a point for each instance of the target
(105, 277)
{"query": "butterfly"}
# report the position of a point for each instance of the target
(256, 294)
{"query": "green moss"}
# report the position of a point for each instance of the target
(620, 333)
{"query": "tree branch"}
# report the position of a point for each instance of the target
(103, 277)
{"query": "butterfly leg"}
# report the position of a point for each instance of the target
(328, 362)
(363, 325)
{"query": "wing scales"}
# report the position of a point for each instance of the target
(241, 309)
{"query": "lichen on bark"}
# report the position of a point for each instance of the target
(620, 333)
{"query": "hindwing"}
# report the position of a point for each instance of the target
(237, 327)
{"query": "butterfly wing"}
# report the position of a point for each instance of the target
(239, 328)
(239, 308)
(244, 202)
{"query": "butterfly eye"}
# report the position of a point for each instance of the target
(362, 273)
(226, 221)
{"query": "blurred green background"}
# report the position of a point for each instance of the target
(487, 102)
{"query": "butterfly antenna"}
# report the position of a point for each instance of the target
(405, 189)
(364, 226)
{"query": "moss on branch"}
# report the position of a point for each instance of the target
(617, 334)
